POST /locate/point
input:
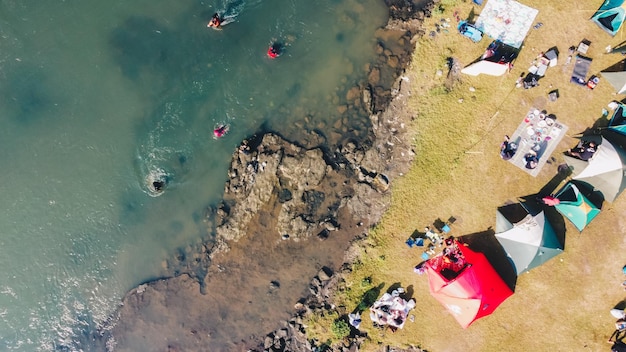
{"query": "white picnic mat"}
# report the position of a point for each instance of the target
(537, 132)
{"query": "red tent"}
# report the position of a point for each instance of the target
(465, 283)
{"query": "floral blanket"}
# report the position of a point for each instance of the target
(507, 21)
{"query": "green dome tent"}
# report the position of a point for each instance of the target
(529, 242)
(575, 206)
(610, 16)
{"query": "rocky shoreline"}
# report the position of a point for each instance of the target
(329, 188)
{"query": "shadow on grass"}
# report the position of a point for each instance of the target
(369, 297)
(486, 243)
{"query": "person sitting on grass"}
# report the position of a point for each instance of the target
(531, 160)
(583, 151)
(507, 148)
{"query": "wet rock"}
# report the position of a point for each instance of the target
(393, 61)
(353, 93)
(374, 76)
(324, 274)
(367, 98)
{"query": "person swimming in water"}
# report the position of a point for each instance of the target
(215, 21)
(275, 50)
(157, 181)
(220, 131)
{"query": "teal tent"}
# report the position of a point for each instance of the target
(606, 170)
(618, 120)
(610, 16)
(575, 206)
(529, 242)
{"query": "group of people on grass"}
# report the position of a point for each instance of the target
(583, 151)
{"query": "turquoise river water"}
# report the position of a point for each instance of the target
(97, 95)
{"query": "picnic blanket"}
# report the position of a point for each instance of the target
(581, 67)
(538, 133)
(392, 310)
(507, 21)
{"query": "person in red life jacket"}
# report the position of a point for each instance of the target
(274, 51)
(215, 21)
(220, 131)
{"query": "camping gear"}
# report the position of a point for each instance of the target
(469, 288)
(581, 68)
(583, 46)
(528, 243)
(541, 64)
(507, 21)
(606, 170)
(531, 80)
(470, 31)
(553, 95)
(610, 16)
(419, 242)
(616, 75)
(593, 82)
(575, 206)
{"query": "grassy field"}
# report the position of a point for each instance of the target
(564, 304)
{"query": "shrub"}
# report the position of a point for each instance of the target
(340, 329)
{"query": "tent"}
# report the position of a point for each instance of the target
(606, 170)
(616, 75)
(610, 16)
(575, 206)
(470, 288)
(507, 21)
(618, 120)
(529, 242)
(496, 61)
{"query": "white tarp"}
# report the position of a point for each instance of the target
(486, 67)
(507, 21)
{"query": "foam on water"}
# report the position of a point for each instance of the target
(97, 98)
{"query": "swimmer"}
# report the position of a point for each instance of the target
(220, 131)
(215, 22)
(157, 182)
(158, 186)
(275, 50)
